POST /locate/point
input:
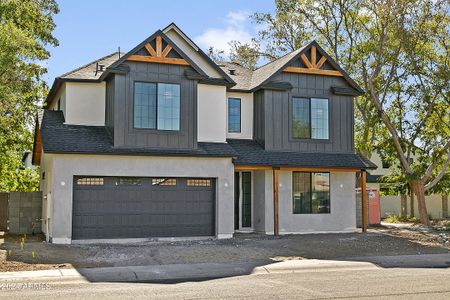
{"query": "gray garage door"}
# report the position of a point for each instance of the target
(129, 207)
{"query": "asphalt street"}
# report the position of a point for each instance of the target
(312, 283)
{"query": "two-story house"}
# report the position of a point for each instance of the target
(163, 142)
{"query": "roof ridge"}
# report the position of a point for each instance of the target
(90, 63)
(275, 60)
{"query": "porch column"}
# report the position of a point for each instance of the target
(275, 202)
(363, 201)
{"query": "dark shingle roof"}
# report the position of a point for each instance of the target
(250, 152)
(87, 72)
(58, 137)
(247, 79)
(242, 76)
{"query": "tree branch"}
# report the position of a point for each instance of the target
(441, 173)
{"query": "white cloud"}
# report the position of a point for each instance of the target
(235, 29)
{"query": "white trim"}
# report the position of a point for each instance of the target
(140, 240)
(222, 236)
(177, 30)
(63, 241)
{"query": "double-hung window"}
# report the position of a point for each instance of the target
(311, 193)
(157, 106)
(234, 115)
(310, 118)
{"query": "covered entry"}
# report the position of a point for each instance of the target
(132, 207)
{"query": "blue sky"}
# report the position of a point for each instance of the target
(89, 29)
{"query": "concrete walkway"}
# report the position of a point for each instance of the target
(201, 271)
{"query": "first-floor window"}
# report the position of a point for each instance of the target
(157, 106)
(311, 193)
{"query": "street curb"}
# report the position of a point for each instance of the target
(179, 272)
(199, 271)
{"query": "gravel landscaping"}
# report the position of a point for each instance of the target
(383, 241)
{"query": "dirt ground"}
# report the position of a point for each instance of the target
(381, 241)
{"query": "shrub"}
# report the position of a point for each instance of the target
(399, 219)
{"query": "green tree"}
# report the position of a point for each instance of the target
(398, 51)
(25, 31)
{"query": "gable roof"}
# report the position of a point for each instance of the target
(203, 55)
(244, 79)
(149, 39)
(265, 73)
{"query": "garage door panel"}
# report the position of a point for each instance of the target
(105, 207)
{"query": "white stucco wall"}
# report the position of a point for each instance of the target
(342, 216)
(65, 166)
(212, 115)
(46, 188)
(342, 205)
(246, 116)
(85, 103)
(60, 96)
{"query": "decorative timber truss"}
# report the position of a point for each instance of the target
(159, 55)
(313, 66)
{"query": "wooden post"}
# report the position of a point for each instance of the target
(275, 202)
(363, 201)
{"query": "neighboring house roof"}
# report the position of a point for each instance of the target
(374, 178)
(250, 152)
(58, 137)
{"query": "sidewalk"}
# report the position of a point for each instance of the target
(204, 271)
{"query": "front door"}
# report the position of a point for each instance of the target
(243, 200)
(246, 199)
(237, 187)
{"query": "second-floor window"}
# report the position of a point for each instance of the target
(310, 118)
(157, 106)
(234, 115)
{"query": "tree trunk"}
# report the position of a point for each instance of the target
(411, 203)
(403, 206)
(419, 189)
(445, 206)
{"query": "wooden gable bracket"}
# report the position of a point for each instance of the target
(159, 55)
(313, 67)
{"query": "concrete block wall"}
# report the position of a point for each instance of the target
(25, 212)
